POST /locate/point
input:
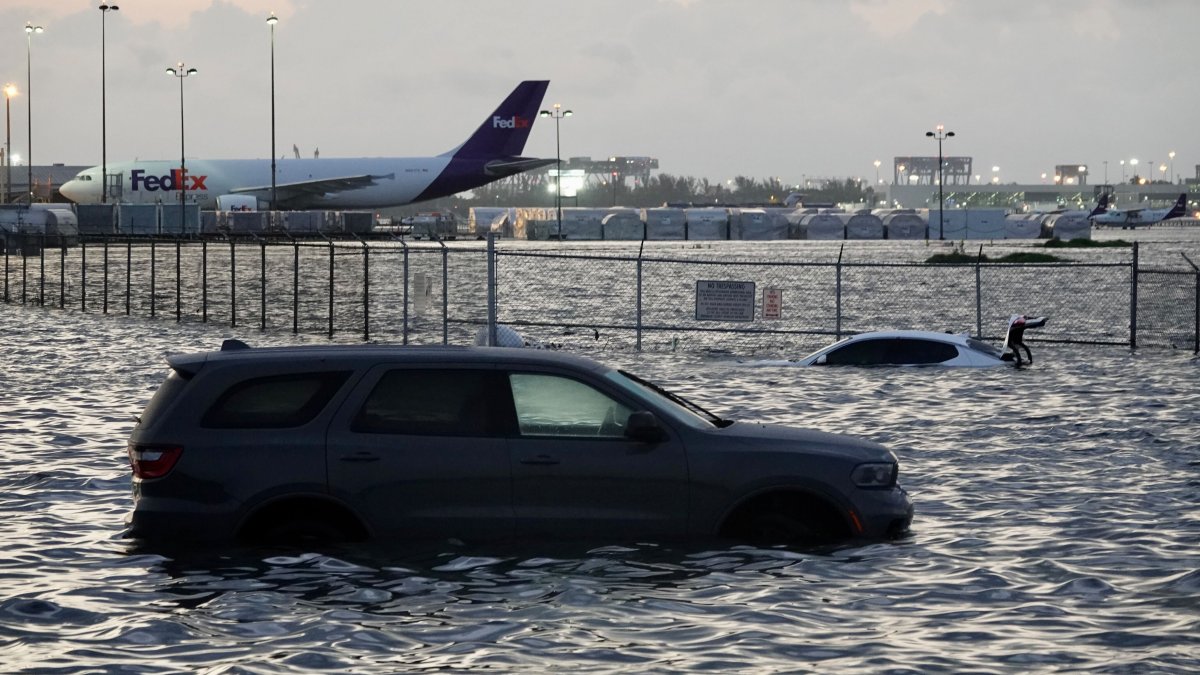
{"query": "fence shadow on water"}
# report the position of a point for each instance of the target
(429, 292)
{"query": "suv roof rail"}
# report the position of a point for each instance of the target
(231, 344)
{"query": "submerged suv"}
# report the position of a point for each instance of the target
(352, 442)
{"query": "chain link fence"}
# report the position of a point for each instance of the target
(431, 292)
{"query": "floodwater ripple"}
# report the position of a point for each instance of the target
(1056, 530)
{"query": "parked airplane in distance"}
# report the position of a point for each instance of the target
(1130, 218)
(491, 153)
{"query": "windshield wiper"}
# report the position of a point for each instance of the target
(676, 398)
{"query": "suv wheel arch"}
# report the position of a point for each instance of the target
(786, 516)
(302, 518)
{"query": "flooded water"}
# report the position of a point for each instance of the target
(1057, 529)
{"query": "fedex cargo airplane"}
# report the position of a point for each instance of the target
(1129, 218)
(491, 153)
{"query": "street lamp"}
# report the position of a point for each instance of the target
(181, 71)
(1133, 166)
(1171, 156)
(941, 134)
(30, 29)
(271, 21)
(877, 163)
(10, 90)
(558, 113)
(995, 175)
(105, 8)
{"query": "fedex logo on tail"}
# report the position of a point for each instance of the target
(176, 180)
(514, 122)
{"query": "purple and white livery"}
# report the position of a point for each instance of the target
(491, 153)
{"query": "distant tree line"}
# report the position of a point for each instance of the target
(537, 190)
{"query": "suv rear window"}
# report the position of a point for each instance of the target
(274, 402)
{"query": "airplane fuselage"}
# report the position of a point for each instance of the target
(396, 180)
(491, 153)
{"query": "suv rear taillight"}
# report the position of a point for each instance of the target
(153, 461)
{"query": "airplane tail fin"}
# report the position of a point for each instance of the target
(504, 132)
(1180, 208)
(1101, 205)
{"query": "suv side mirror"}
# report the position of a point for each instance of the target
(644, 426)
(821, 360)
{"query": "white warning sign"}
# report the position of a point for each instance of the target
(724, 300)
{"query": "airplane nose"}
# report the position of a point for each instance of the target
(72, 190)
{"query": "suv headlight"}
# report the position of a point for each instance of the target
(875, 474)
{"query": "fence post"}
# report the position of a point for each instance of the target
(83, 275)
(104, 267)
(24, 267)
(295, 286)
(405, 245)
(153, 277)
(42, 270)
(262, 286)
(204, 281)
(641, 248)
(1133, 299)
(178, 281)
(366, 292)
(62, 272)
(232, 284)
(445, 293)
(331, 269)
(979, 295)
(838, 326)
(491, 288)
(128, 273)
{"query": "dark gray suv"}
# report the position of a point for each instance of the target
(351, 442)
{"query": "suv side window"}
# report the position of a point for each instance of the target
(431, 402)
(274, 402)
(550, 405)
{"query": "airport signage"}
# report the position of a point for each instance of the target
(168, 183)
(725, 300)
(772, 303)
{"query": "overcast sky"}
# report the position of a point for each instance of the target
(713, 88)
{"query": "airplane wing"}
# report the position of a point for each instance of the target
(515, 165)
(313, 188)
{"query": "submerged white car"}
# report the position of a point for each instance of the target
(926, 348)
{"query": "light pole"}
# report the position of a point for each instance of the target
(105, 8)
(558, 113)
(1171, 156)
(1122, 171)
(1133, 166)
(877, 163)
(271, 21)
(1106, 172)
(181, 71)
(10, 90)
(30, 29)
(941, 134)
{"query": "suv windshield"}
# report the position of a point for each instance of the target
(678, 407)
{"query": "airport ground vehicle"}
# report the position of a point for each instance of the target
(348, 442)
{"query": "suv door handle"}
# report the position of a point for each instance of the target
(359, 457)
(540, 460)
